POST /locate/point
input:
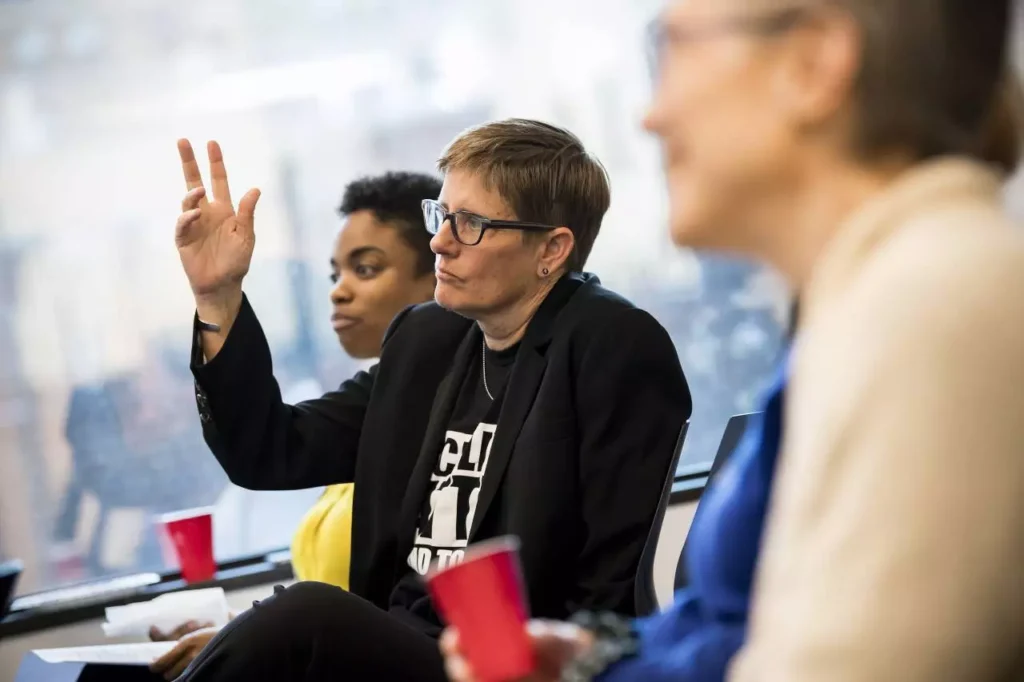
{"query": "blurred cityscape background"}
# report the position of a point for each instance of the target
(98, 429)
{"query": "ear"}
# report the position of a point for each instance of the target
(555, 250)
(822, 69)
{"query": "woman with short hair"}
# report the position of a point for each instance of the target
(526, 400)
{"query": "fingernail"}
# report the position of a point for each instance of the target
(457, 669)
(565, 630)
(537, 628)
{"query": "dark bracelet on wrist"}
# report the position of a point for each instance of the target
(615, 638)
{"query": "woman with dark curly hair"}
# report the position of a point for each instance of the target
(381, 263)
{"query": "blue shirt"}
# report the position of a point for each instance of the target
(697, 637)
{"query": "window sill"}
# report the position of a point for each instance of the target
(242, 573)
(689, 483)
(233, 575)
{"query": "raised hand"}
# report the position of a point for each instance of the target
(214, 241)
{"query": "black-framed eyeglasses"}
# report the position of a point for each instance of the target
(661, 35)
(468, 228)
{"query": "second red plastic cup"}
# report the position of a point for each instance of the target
(483, 597)
(191, 534)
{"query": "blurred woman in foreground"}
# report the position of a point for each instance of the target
(381, 264)
(859, 147)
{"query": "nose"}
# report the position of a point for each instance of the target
(654, 116)
(340, 292)
(443, 243)
(650, 121)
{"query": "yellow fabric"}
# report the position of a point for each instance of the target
(323, 542)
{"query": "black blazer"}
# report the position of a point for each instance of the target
(584, 439)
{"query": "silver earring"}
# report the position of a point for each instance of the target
(544, 272)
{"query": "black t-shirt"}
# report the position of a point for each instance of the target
(450, 502)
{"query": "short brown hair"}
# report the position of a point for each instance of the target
(935, 79)
(542, 172)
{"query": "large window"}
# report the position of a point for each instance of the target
(98, 429)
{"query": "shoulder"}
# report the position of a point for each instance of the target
(597, 306)
(616, 349)
(597, 317)
(938, 299)
(956, 272)
(426, 323)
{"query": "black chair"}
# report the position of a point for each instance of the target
(734, 431)
(9, 574)
(644, 596)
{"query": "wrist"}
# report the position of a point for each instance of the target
(220, 308)
(610, 638)
(215, 316)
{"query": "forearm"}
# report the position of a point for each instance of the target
(262, 442)
(704, 656)
(680, 645)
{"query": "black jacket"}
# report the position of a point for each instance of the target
(591, 414)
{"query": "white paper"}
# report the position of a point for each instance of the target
(167, 612)
(113, 654)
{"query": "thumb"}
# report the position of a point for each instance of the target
(247, 206)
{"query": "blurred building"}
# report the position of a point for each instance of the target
(304, 96)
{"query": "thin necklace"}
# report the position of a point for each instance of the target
(483, 368)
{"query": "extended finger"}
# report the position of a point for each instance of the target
(192, 199)
(189, 166)
(218, 172)
(185, 628)
(458, 670)
(450, 642)
(185, 221)
(180, 665)
(247, 206)
(167, 661)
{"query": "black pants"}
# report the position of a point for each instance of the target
(311, 632)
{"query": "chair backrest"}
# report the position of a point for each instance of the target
(9, 573)
(734, 431)
(644, 596)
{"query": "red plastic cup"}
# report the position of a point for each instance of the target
(190, 532)
(483, 597)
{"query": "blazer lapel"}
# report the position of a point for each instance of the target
(522, 389)
(527, 373)
(433, 438)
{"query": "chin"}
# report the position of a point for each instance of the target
(357, 348)
(692, 219)
(455, 301)
(446, 296)
(715, 234)
(683, 208)
(688, 232)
